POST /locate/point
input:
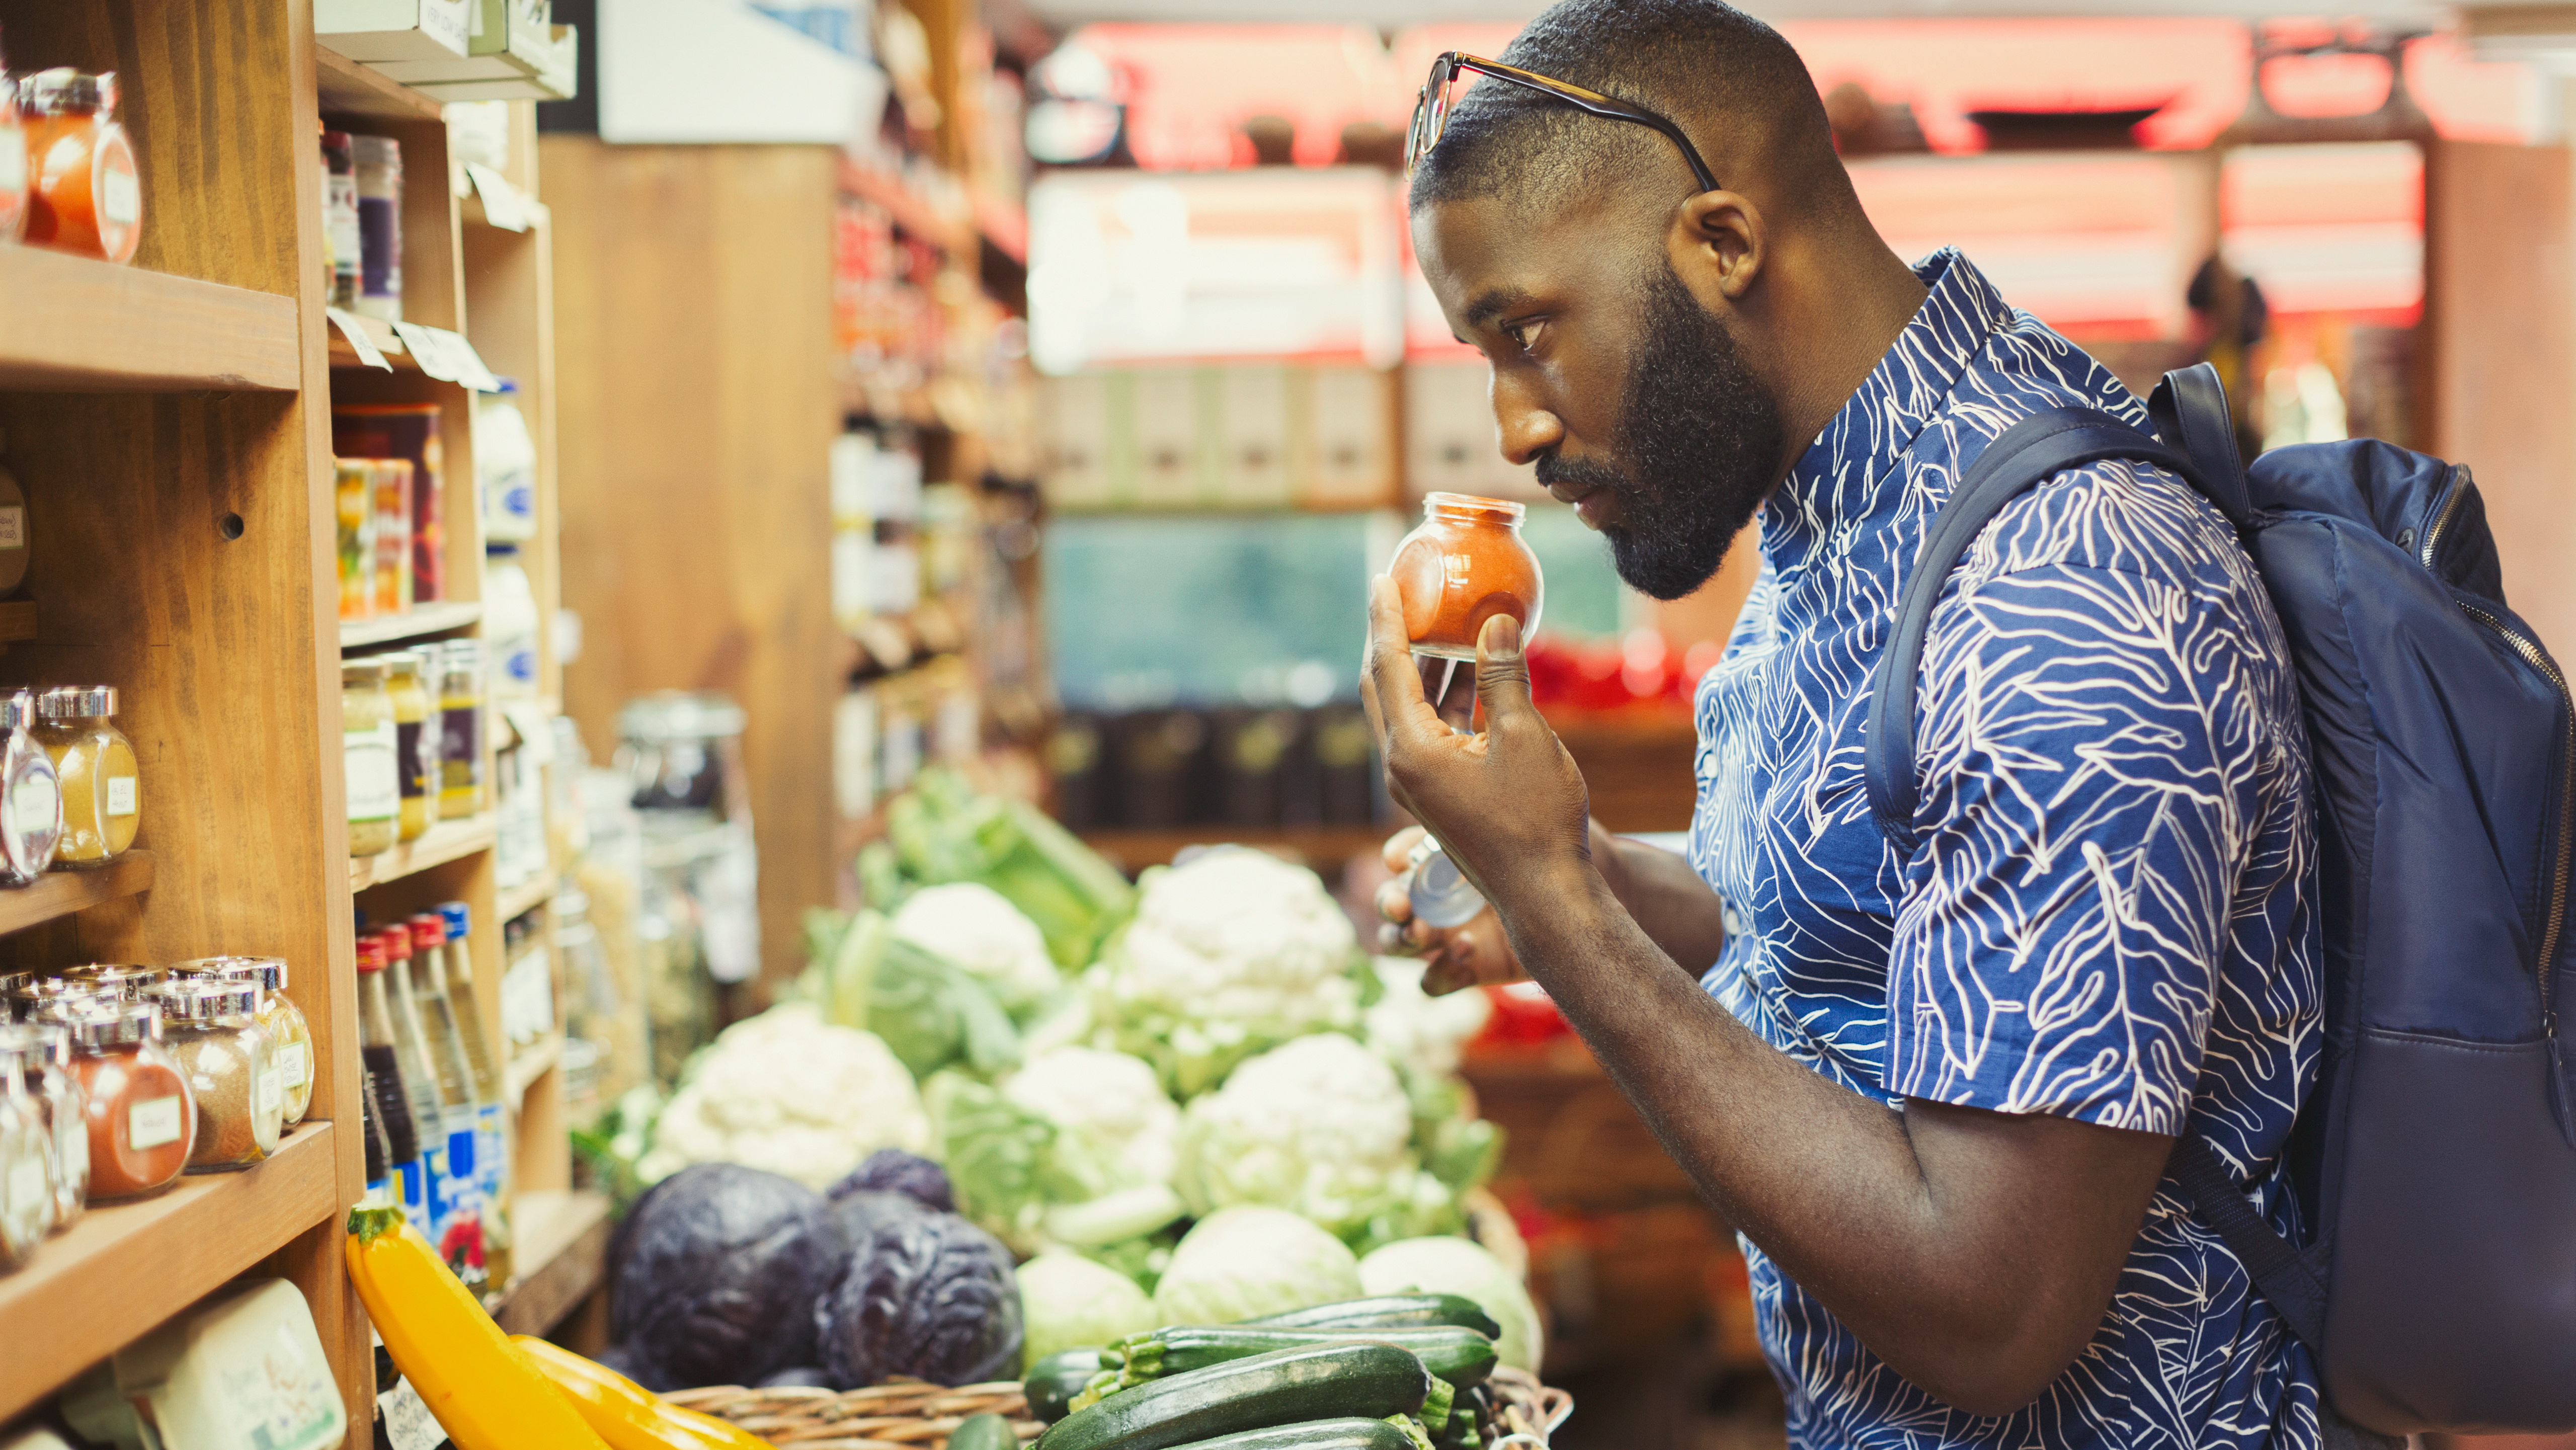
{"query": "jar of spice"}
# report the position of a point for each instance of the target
(84, 194)
(142, 1114)
(47, 1069)
(48, 996)
(290, 1035)
(26, 1162)
(31, 795)
(13, 162)
(123, 981)
(1465, 564)
(414, 767)
(460, 710)
(368, 736)
(212, 1030)
(102, 787)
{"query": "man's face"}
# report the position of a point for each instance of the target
(1610, 373)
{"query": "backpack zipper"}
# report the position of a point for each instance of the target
(2555, 915)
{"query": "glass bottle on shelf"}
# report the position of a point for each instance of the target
(380, 1049)
(492, 1146)
(420, 1081)
(94, 763)
(458, 1101)
(460, 749)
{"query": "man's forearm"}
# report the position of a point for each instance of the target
(1899, 1239)
(1668, 901)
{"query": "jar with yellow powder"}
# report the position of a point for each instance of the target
(95, 766)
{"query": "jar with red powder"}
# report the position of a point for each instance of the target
(1465, 564)
(142, 1117)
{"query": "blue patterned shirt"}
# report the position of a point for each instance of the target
(2109, 916)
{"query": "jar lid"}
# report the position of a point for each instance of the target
(1468, 503)
(460, 654)
(428, 930)
(268, 972)
(401, 661)
(17, 709)
(113, 1025)
(64, 89)
(125, 979)
(206, 1000)
(24, 1047)
(363, 670)
(65, 702)
(46, 993)
(680, 715)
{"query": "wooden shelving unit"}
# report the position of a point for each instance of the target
(171, 423)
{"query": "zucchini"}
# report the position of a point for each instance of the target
(1285, 1386)
(1461, 1356)
(1389, 1311)
(984, 1432)
(1056, 1379)
(1344, 1434)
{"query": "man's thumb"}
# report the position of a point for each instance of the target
(1502, 671)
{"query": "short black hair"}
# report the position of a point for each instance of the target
(1732, 83)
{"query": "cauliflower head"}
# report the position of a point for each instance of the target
(976, 927)
(1422, 1035)
(1320, 1126)
(1117, 1128)
(788, 1092)
(1229, 952)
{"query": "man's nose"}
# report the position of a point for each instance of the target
(1527, 429)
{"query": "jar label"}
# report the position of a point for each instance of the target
(27, 1186)
(375, 786)
(13, 161)
(120, 795)
(13, 526)
(153, 1122)
(120, 197)
(71, 1145)
(272, 1092)
(290, 1064)
(35, 805)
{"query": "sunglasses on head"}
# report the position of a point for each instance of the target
(1431, 109)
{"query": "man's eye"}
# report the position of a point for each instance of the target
(1522, 334)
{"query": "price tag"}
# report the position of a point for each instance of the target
(356, 331)
(447, 357)
(408, 1423)
(502, 205)
(535, 732)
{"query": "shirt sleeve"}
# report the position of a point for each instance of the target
(2091, 767)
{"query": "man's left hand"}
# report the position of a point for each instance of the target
(1507, 803)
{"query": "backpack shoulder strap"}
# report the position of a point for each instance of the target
(2189, 410)
(2279, 1270)
(2037, 448)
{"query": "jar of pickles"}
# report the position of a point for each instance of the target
(47, 1069)
(370, 741)
(101, 786)
(416, 769)
(31, 796)
(84, 194)
(213, 1033)
(290, 1035)
(142, 1115)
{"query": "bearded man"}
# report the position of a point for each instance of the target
(1935, 1089)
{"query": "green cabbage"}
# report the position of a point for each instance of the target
(1069, 1302)
(1446, 1265)
(1242, 1263)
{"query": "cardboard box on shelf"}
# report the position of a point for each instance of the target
(394, 30)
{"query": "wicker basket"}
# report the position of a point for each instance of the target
(909, 1415)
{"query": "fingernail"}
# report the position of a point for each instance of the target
(1502, 639)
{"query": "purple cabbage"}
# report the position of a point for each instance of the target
(926, 1294)
(892, 1170)
(716, 1273)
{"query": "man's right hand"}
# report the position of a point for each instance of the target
(1460, 956)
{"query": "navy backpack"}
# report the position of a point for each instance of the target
(2436, 1159)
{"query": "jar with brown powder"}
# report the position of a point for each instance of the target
(212, 1028)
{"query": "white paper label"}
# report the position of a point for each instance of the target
(291, 1067)
(120, 197)
(27, 1186)
(36, 805)
(13, 160)
(447, 357)
(13, 526)
(408, 1422)
(120, 795)
(359, 342)
(71, 1146)
(272, 1091)
(375, 790)
(501, 204)
(153, 1122)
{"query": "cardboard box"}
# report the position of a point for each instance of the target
(394, 30)
(510, 40)
(556, 78)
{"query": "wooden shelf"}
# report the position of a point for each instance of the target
(561, 1255)
(75, 324)
(348, 88)
(125, 1267)
(447, 841)
(387, 341)
(60, 893)
(17, 621)
(1321, 845)
(530, 1063)
(519, 900)
(424, 619)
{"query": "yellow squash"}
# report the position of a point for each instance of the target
(484, 1393)
(627, 1415)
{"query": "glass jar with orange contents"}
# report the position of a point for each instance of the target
(84, 194)
(1465, 564)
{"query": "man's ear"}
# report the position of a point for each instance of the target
(1719, 244)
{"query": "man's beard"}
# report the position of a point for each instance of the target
(1700, 437)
